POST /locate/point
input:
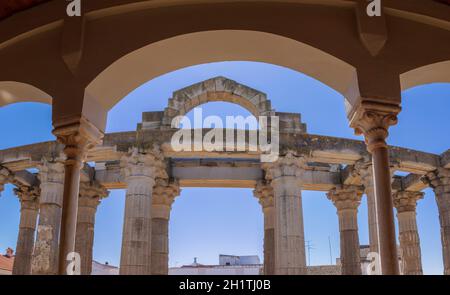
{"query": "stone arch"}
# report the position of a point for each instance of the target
(13, 92)
(216, 89)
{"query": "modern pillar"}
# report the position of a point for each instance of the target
(285, 178)
(439, 180)
(365, 171)
(90, 195)
(347, 200)
(45, 257)
(373, 120)
(139, 171)
(164, 194)
(406, 202)
(29, 206)
(264, 193)
(77, 139)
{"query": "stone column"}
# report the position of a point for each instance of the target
(373, 120)
(164, 194)
(45, 257)
(90, 195)
(139, 171)
(29, 206)
(347, 200)
(405, 202)
(264, 193)
(285, 177)
(77, 138)
(365, 172)
(439, 180)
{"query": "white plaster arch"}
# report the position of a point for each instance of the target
(432, 73)
(182, 51)
(13, 92)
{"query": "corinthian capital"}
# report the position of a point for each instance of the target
(346, 196)
(147, 163)
(288, 165)
(51, 170)
(406, 200)
(5, 177)
(91, 193)
(165, 192)
(28, 196)
(439, 180)
(78, 138)
(373, 121)
(264, 193)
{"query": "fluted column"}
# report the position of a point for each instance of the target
(285, 178)
(78, 138)
(347, 200)
(406, 202)
(45, 257)
(139, 171)
(164, 194)
(29, 206)
(264, 193)
(373, 121)
(90, 195)
(439, 180)
(365, 172)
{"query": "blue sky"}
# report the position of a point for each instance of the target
(208, 222)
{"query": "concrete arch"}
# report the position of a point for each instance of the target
(13, 92)
(433, 73)
(216, 89)
(215, 46)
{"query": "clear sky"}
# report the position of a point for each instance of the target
(208, 222)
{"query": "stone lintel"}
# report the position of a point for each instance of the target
(322, 149)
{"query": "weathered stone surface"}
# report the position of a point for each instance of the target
(285, 178)
(439, 180)
(29, 206)
(347, 200)
(406, 202)
(45, 256)
(91, 194)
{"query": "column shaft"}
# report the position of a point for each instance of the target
(77, 137)
(347, 200)
(139, 173)
(365, 171)
(269, 241)
(29, 205)
(439, 180)
(160, 246)
(373, 119)
(384, 210)
(264, 193)
(45, 257)
(288, 231)
(90, 195)
(409, 243)
(406, 203)
(164, 194)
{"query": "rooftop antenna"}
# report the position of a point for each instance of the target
(329, 246)
(309, 247)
